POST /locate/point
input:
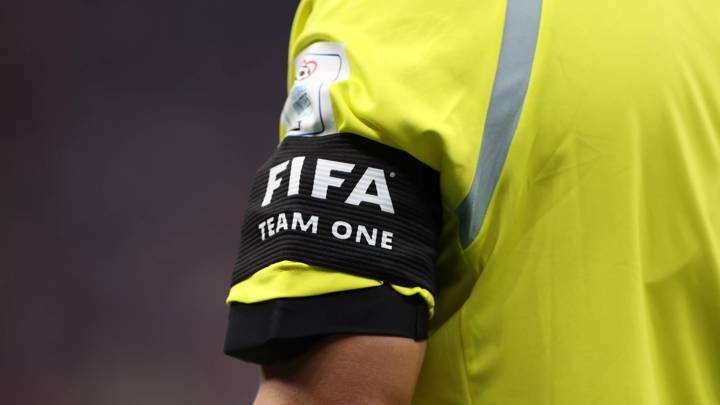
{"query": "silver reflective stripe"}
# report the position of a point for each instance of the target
(522, 22)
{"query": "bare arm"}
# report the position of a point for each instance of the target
(373, 370)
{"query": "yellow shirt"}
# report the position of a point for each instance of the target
(578, 146)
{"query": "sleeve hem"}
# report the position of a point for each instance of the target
(273, 330)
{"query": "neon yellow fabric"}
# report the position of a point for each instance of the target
(425, 294)
(595, 278)
(288, 279)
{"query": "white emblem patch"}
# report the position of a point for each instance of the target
(308, 108)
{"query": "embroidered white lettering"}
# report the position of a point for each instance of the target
(270, 226)
(295, 171)
(297, 221)
(282, 224)
(323, 176)
(347, 230)
(360, 192)
(261, 227)
(362, 232)
(386, 240)
(273, 182)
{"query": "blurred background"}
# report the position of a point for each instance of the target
(130, 132)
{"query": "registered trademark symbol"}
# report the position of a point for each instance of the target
(392, 174)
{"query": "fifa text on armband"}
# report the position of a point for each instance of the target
(324, 178)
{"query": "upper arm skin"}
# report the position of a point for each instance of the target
(374, 370)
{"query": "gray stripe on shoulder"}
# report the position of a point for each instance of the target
(522, 23)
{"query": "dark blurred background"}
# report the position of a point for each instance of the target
(130, 131)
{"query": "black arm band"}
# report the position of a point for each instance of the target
(283, 328)
(345, 203)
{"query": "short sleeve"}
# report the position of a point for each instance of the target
(338, 233)
(341, 228)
